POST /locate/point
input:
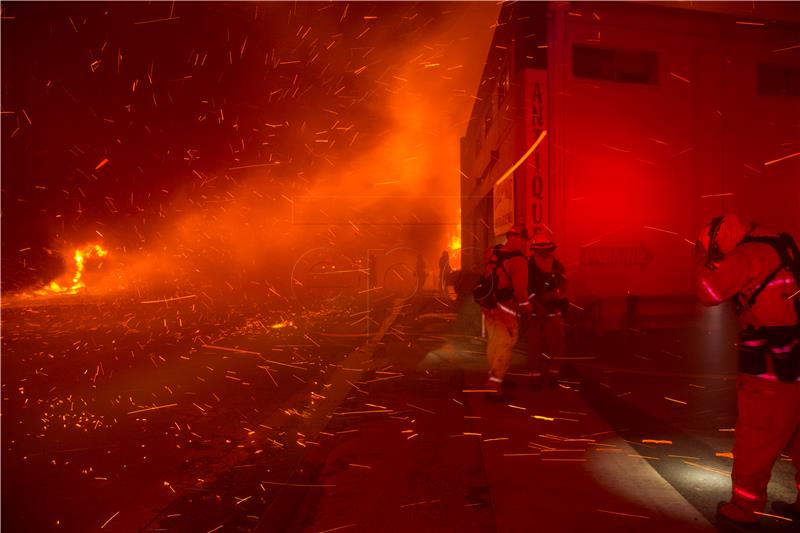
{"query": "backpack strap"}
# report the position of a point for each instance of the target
(499, 257)
(508, 255)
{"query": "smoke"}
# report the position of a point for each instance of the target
(339, 129)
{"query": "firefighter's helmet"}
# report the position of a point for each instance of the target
(518, 230)
(722, 235)
(542, 243)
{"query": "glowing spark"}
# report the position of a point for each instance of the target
(364, 412)
(749, 23)
(787, 48)
(679, 77)
(255, 166)
(524, 157)
(661, 230)
(654, 441)
(623, 514)
(109, 520)
(782, 158)
(519, 454)
(224, 349)
(157, 20)
(720, 472)
(773, 516)
(152, 408)
(673, 400)
(165, 300)
(616, 149)
(338, 528)
(421, 409)
(716, 195)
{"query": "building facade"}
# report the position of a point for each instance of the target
(658, 116)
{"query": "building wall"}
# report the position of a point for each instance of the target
(636, 169)
(645, 166)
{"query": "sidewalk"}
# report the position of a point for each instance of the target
(410, 451)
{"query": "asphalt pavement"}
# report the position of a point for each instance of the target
(189, 420)
(636, 437)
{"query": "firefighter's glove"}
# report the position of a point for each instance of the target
(525, 309)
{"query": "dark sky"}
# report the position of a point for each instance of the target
(116, 116)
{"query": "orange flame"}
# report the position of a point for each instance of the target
(81, 255)
(455, 243)
(455, 249)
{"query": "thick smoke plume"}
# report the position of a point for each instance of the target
(285, 128)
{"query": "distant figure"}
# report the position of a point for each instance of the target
(760, 272)
(444, 268)
(547, 288)
(422, 272)
(507, 264)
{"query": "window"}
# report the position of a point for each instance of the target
(625, 66)
(778, 79)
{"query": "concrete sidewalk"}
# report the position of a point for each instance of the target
(412, 450)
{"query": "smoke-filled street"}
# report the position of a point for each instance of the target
(400, 267)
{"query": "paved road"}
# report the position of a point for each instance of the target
(185, 418)
(113, 407)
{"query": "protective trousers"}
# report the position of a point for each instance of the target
(502, 330)
(545, 336)
(768, 424)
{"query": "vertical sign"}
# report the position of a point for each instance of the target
(503, 196)
(536, 171)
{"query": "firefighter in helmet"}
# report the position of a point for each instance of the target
(760, 272)
(508, 263)
(547, 288)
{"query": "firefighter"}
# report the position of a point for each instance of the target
(444, 269)
(547, 287)
(761, 274)
(508, 263)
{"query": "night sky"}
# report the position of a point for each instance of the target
(124, 121)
